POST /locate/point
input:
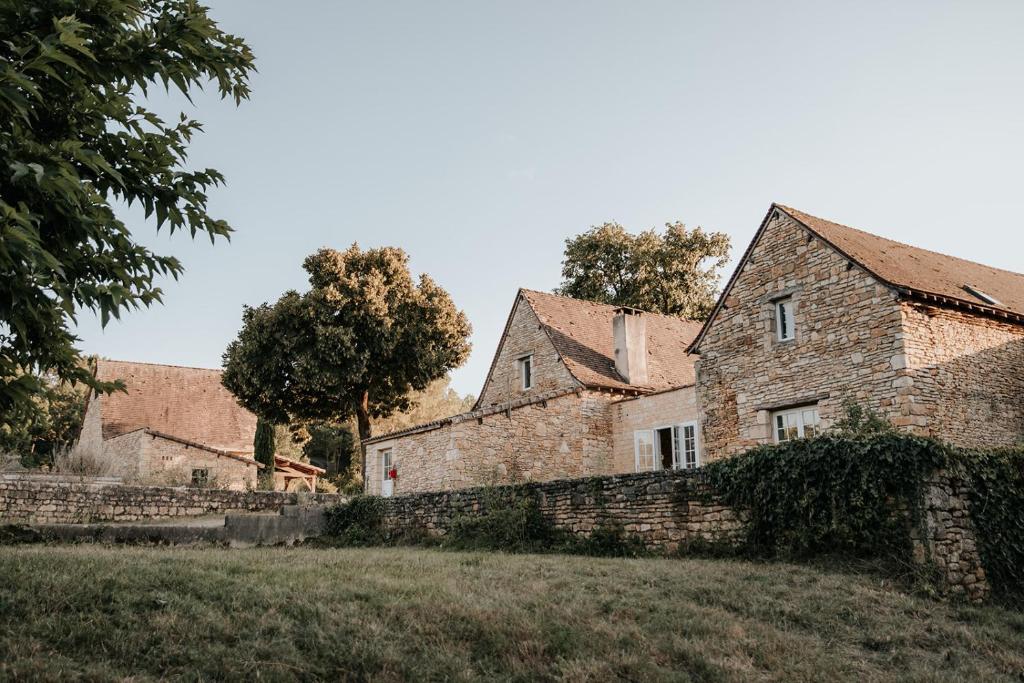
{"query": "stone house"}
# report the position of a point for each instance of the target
(818, 313)
(815, 314)
(175, 425)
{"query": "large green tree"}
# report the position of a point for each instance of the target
(74, 142)
(357, 344)
(674, 273)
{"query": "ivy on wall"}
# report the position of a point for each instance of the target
(997, 509)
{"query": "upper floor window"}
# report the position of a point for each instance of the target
(784, 327)
(796, 423)
(526, 371)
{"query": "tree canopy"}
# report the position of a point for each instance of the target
(357, 344)
(74, 141)
(675, 273)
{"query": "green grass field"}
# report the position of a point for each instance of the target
(100, 613)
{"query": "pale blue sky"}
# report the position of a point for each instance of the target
(479, 135)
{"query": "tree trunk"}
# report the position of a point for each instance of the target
(365, 430)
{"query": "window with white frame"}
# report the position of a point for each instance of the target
(526, 372)
(385, 463)
(784, 327)
(673, 447)
(796, 423)
(646, 460)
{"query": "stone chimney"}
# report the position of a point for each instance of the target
(629, 330)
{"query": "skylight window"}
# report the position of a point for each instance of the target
(987, 298)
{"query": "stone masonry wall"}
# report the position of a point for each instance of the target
(665, 509)
(663, 409)
(27, 501)
(963, 380)
(565, 436)
(525, 336)
(848, 341)
(670, 510)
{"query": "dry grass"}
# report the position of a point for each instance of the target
(396, 614)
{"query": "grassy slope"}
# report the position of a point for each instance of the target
(393, 614)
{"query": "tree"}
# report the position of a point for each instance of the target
(263, 451)
(357, 344)
(74, 139)
(51, 424)
(676, 273)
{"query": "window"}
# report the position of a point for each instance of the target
(526, 371)
(385, 463)
(784, 319)
(798, 423)
(200, 477)
(987, 298)
(667, 448)
(645, 459)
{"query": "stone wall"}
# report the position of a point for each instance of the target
(525, 336)
(671, 510)
(949, 540)
(566, 435)
(848, 341)
(663, 409)
(963, 380)
(664, 509)
(29, 501)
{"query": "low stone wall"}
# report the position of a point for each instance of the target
(30, 501)
(664, 509)
(670, 510)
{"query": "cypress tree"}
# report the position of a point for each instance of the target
(263, 447)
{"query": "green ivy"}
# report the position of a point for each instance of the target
(359, 522)
(996, 481)
(831, 495)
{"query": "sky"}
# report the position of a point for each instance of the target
(478, 136)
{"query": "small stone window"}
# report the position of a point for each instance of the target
(526, 371)
(785, 329)
(796, 423)
(200, 477)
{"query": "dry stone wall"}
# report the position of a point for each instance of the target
(664, 509)
(30, 501)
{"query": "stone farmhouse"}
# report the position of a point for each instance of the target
(816, 314)
(177, 426)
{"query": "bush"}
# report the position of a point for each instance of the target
(359, 522)
(508, 521)
(608, 539)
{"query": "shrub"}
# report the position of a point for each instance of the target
(608, 539)
(359, 522)
(509, 521)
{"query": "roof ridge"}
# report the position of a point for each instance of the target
(158, 365)
(790, 209)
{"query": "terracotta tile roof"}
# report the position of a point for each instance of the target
(185, 403)
(920, 270)
(582, 334)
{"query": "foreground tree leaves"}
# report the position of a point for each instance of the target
(73, 139)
